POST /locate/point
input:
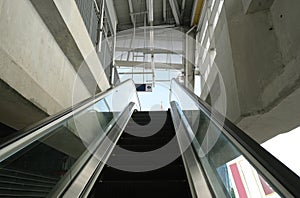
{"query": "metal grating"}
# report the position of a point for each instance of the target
(90, 18)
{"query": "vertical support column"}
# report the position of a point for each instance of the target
(165, 10)
(189, 59)
(152, 55)
(100, 26)
(182, 10)
(175, 11)
(151, 19)
(150, 11)
(113, 62)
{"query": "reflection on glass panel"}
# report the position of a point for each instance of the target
(51, 158)
(245, 180)
(43, 165)
(229, 172)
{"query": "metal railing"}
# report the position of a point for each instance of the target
(93, 18)
(90, 17)
(285, 182)
(84, 126)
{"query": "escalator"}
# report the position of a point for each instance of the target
(21, 184)
(167, 181)
(106, 147)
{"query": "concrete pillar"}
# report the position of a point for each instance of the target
(42, 46)
(257, 54)
(189, 66)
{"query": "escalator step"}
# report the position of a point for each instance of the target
(141, 148)
(129, 160)
(145, 189)
(17, 192)
(9, 177)
(143, 141)
(143, 122)
(147, 134)
(33, 176)
(24, 185)
(168, 181)
(169, 172)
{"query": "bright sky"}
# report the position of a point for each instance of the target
(286, 148)
(152, 101)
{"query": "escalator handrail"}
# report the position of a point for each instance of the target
(61, 116)
(198, 180)
(93, 159)
(287, 178)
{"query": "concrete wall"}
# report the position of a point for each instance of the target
(265, 49)
(72, 19)
(220, 66)
(287, 30)
(225, 64)
(38, 68)
(257, 53)
(280, 96)
(251, 6)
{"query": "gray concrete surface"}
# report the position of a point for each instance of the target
(257, 54)
(32, 63)
(251, 6)
(189, 58)
(72, 18)
(281, 119)
(16, 111)
(280, 96)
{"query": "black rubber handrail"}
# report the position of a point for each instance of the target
(287, 178)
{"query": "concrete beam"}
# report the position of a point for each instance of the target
(15, 109)
(60, 141)
(147, 50)
(175, 11)
(71, 35)
(134, 73)
(252, 6)
(33, 66)
(280, 119)
(148, 65)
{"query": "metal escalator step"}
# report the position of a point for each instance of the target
(22, 190)
(174, 172)
(140, 159)
(145, 189)
(142, 121)
(10, 184)
(8, 177)
(27, 174)
(139, 133)
(167, 181)
(22, 195)
(141, 148)
(143, 141)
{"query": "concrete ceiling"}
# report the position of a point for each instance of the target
(125, 21)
